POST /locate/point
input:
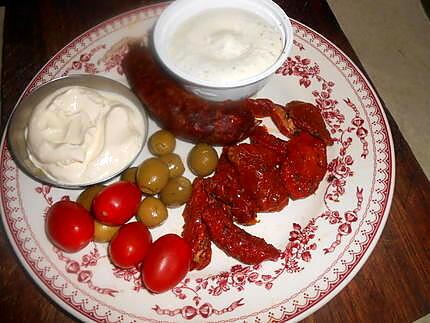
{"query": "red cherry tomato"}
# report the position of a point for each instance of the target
(116, 203)
(129, 245)
(166, 263)
(69, 226)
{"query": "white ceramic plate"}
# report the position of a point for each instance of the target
(326, 237)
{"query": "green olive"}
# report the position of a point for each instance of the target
(86, 197)
(174, 164)
(152, 175)
(103, 232)
(202, 159)
(176, 192)
(152, 212)
(129, 175)
(161, 142)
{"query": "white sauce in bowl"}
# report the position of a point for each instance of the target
(225, 45)
(79, 135)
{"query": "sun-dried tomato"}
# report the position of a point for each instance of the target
(233, 240)
(260, 136)
(225, 186)
(259, 175)
(195, 231)
(295, 117)
(304, 166)
(307, 117)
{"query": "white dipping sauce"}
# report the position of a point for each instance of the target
(225, 45)
(80, 135)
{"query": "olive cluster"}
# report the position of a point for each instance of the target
(160, 178)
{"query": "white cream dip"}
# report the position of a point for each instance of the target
(225, 45)
(79, 135)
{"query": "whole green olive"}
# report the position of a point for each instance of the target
(86, 197)
(176, 192)
(152, 212)
(202, 159)
(174, 164)
(152, 175)
(161, 142)
(129, 175)
(103, 232)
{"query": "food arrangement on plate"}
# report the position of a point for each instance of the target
(236, 169)
(76, 127)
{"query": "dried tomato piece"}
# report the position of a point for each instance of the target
(260, 136)
(259, 175)
(225, 186)
(233, 240)
(305, 165)
(195, 231)
(307, 117)
(290, 120)
(262, 108)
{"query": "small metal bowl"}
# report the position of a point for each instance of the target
(24, 108)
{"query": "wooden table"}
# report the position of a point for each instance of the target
(394, 284)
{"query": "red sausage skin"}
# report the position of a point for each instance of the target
(186, 115)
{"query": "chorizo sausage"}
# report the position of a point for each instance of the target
(184, 114)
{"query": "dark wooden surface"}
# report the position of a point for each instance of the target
(393, 285)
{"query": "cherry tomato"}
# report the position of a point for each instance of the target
(116, 203)
(69, 226)
(130, 245)
(166, 263)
